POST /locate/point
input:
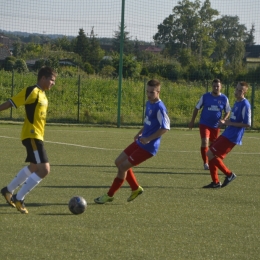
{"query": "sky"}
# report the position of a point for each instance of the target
(141, 16)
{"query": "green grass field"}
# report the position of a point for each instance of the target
(174, 218)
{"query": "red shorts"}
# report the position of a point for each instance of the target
(209, 132)
(136, 154)
(221, 147)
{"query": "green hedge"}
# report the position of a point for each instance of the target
(94, 100)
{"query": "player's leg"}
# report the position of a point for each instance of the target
(39, 171)
(135, 157)
(213, 171)
(123, 165)
(117, 182)
(19, 179)
(204, 134)
(39, 166)
(131, 156)
(217, 152)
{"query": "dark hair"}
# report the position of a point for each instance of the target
(153, 83)
(244, 84)
(46, 72)
(216, 81)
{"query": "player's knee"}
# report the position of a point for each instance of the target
(43, 170)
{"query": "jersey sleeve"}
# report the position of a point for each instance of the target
(163, 119)
(26, 96)
(246, 114)
(200, 103)
(227, 107)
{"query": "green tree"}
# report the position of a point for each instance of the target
(128, 45)
(180, 29)
(205, 43)
(52, 62)
(39, 63)
(81, 45)
(95, 52)
(17, 49)
(250, 40)
(20, 66)
(9, 63)
(31, 50)
(63, 43)
(230, 38)
(131, 67)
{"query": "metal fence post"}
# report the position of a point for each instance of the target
(78, 98)
(252, 105)
(144, 101)
(12, 93)
(121, 64)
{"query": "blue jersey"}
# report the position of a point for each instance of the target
(212, 108)
(240, 113)
(155, 118)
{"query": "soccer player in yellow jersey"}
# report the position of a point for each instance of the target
(34, 100)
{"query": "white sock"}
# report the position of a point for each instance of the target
(19, 179)
(30, 183)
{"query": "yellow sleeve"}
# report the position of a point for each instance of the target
(27, 96)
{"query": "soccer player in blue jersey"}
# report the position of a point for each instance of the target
(240, 118)
(35, 102)
(213, 103)
(146, 144)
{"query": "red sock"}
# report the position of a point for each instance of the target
(219, 163)
(203, 151)
(213, 171)
(117, 183)
(130, 178)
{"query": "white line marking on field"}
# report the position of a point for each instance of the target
(83, 146)
(111, 149)
(77, 145)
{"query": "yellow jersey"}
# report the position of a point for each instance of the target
(36, 103)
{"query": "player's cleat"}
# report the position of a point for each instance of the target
(135, 193)
(103, 199)
(8, 196)
(19, 205)
(228, 179)
(212, 185)
(206, 166)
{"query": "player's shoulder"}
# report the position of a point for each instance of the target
(206, 94)
(246, 102)
(161, 104)
(222, 95)
(31, 88)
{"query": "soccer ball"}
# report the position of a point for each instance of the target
(77, 205)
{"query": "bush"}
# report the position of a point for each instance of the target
(20, 66)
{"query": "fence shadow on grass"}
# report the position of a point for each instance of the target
(136, 169)
(83, 165)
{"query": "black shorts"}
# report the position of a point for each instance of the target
(35, 151)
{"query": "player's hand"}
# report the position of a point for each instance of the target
(223, 122)
(137, 137)
(144, 140)
(190, 125)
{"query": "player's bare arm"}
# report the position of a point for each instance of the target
(236, 124)
(226, 115)
(138, 134)
(195, 112)
(5, 105)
